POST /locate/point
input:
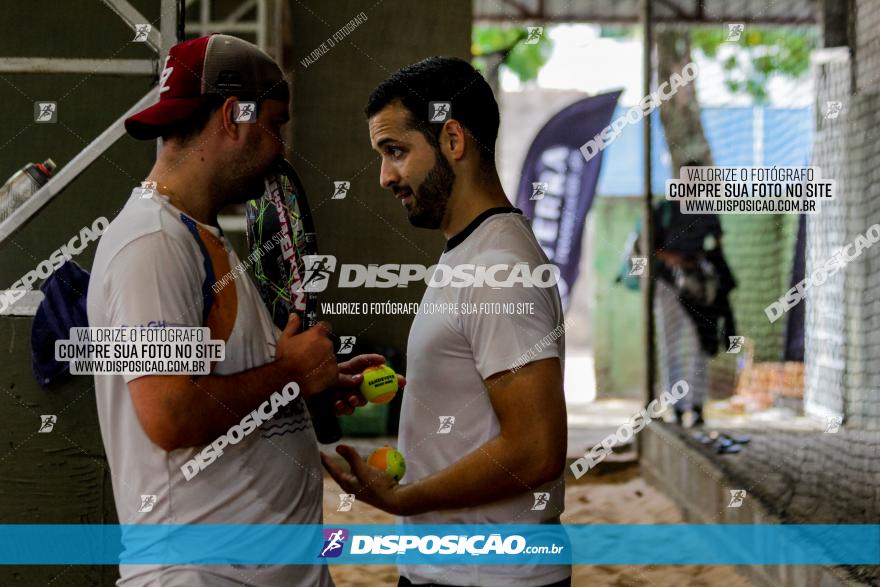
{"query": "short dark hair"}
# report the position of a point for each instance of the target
(443, 79)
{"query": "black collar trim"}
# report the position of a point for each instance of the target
(467, 230)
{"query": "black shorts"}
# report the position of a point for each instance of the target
(404, 582)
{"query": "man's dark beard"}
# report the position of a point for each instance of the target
(432, 196)
(245, 180)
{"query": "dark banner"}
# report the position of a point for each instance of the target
(794, 325)
(557, 184)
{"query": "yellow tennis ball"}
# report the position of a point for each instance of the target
(379, 384)
(389, 460)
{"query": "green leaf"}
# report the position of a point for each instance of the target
(525, 60)
(730, 63)
(489, 39)
(782, 51)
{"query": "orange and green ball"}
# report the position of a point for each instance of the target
(389, 460)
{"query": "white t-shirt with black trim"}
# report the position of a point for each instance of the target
(449, 355)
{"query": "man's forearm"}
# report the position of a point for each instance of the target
(198, 409)
(498, 469)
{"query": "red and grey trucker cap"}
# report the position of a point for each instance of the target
(217, 64)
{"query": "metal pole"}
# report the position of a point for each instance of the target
(132, 17)
(42, 65)
(647, 13)
(69, 172)
(181, 20)
(262, 17)
(169, 11)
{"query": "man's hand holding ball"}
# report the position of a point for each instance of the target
(354, 383)
(362, 379)
(307, 357)
(374, 481)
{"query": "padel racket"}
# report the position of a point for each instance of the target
(280, 227)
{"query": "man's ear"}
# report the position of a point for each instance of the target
(227, 117)
(453, 135)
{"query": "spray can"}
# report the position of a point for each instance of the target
(22, 185)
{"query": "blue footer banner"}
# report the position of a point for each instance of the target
(83, 544)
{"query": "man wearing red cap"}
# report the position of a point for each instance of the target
(222, 102)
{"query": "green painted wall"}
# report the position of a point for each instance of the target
(332, 142)
(759, 249)
(617, 312)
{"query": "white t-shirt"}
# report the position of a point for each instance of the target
(154, 267)
(449, 355)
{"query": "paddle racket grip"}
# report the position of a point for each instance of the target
(324, 420)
